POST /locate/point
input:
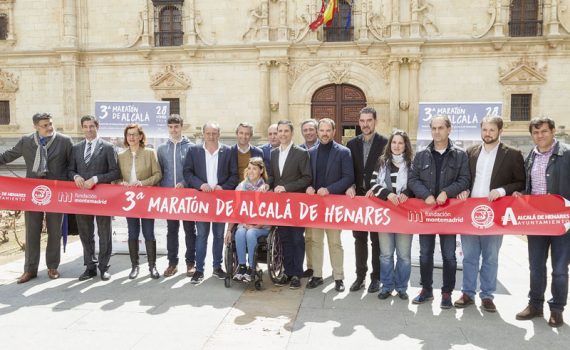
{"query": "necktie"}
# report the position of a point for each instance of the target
(88, 153)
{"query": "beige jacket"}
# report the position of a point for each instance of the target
(146, 166)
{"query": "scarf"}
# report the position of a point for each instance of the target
(401, 179)
(247, 185)
(40, 161)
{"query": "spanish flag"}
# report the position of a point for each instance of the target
(326, 15)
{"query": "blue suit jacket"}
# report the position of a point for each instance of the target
(339, 173)
(266, 149)
(254, 151)
(195, 168)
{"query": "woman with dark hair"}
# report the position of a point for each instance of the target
(389, 183)
(139, 167)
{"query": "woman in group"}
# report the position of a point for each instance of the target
(255, 177)
(389, 183)
(139, 167)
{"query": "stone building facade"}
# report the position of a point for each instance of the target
(257, 60)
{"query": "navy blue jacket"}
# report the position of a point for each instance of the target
(339, 173)
(195, 168)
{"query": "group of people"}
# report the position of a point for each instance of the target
(369, 165)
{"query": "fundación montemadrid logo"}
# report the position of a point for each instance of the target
(482, 216)
(41, 195)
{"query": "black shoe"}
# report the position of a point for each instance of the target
(88, 274)
(134, 272)
(357, 285)
(374, 286)
(197, 278)
(283, 281)
(218, 272)
(384, 295)
(154, 273)
(403, 295)
(295, 283)
(308, 273)
(105, 276)
(314, 282)
(339, 286)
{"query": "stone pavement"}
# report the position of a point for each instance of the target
(145, 314)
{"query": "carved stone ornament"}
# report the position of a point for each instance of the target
(295, 71)
(382, 67)
(170, 79)
(8, 82)
(523, 72)
(339, 73)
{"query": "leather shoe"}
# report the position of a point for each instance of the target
(190, 269)
(27, 276)
(555, 319)
(314, 282)
(87, 274)
(357, 285)
(529, 313)
(53, 274)
(105, 276)
(374, 286)
(171, 270)
(488, 305)
(308, 273)
(339, 286)
(464, 301)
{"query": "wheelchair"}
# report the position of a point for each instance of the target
(267, 251)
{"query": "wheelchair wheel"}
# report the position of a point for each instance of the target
(275, 267)
(230, 261)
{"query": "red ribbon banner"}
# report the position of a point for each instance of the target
(527, 215)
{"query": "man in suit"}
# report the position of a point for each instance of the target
(291, 172)
(242, 151)
(210, 167)
(46, 154)
(273, 142)
(93, 161)
(497, 170)
(366, 149)
(332, 171)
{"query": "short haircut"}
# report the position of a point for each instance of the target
(214, 125)
(140, 131)
(285, 122)
(328, 121)
(498, 121)
(87, 118)
(175, 119)
(272, 126)
(536, 123)
(36, 118)
(245, 125)
(445, 120)
(368, 110)
(310, 121)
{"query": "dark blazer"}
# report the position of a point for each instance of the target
(296, 175)
(363, 172)
(58, 155)
(195, 168)
(266, 149)
(508, 169)
(103, 162)
(253, 151)
(339, 174)
(556, 171)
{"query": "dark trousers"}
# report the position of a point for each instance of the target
(172, 244)
(361, 254)
(134, 229)
(293, 244)
(538, 247)
(86, 227)
(427, 246)
(34, 224)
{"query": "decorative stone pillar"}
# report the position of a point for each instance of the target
(282, 30)
(395, 25)
(70, 71)
(283, 83)
(414, 23)
(264, 95)
(394, 93)
(69, 31)
(551, 6)
(190, 23)
(363, 29)
(502, 17)
(264, 28)
(413, 96)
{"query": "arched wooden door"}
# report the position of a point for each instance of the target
(341, 103)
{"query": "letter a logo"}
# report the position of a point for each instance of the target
(509, 216)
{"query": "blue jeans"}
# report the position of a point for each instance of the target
(559, 255)
(203, 231)
(475, 248)
(172, 241)
(134, 229)
(427, 246)
(246, 240)
(293, 243)
(395, 277)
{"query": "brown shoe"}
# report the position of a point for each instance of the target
(488, 305)
(53, 274)
(171, 270)
(464, 301)
(555, 319)
(190, 270)
(529, 313)
(27, 276)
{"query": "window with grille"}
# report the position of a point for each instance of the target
(168, 23)
(3, 27)
(521, 107)
(174, 105)
(342, 28)
(526, 18)
(4, 112)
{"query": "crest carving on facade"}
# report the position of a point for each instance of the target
(296, 70)
(8, 82)
(382, 67)
(170, 79)
(339, 73)
(523, 72)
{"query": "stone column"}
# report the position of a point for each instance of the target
(502, 18)
(394, 93)
(264, 28)
(282, 30)
(395, 25)
(69, 32)
(190, 23)
(414, 23)
(283, 83)
(70, 71)
(264, 95)
(413, 96)
(363, 30)
(551, 6)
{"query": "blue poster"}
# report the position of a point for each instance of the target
(114, 116)
(465, 120)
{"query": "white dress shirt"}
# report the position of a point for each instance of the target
(212, 166)
(283, 153)
(483, 172)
